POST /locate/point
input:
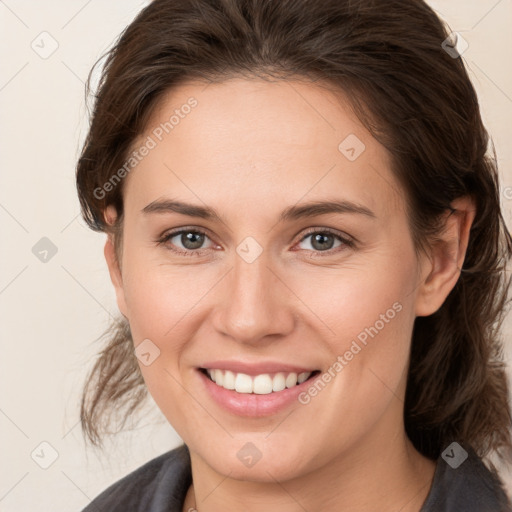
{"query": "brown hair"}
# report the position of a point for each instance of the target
(412, 96)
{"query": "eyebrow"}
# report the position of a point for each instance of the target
(295, 212)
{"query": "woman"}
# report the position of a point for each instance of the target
(307, 248)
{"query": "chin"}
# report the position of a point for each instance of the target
(243, 460)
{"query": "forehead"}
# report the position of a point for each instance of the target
(247, 141)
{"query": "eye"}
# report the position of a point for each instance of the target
(322, 240)
(190, 239)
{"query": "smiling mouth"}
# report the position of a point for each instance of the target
(262, 384)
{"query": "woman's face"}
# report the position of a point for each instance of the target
(275, 286)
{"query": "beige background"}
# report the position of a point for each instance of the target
(52, 313)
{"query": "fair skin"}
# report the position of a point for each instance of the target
(250, 149)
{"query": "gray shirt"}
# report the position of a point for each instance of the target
(161, 484)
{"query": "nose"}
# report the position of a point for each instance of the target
(257, 306)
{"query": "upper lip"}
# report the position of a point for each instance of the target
(255, 368)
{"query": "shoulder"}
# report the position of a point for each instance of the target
(159, 485)
(468, 487)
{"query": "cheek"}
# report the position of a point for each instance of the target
(160, 305)
(165, 302)
(372, 296)
(368, 352)
(369, 310)
(155, 292)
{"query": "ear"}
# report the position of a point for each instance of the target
(114, 267)
(444, 266)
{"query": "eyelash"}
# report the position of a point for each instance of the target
(346, 242)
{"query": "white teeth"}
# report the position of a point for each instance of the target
(291, 380)
(260, 384)
(219, 377)
(229, 380)
(279, 382)
(243, 383)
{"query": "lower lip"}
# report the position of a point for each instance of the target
(252, 404)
